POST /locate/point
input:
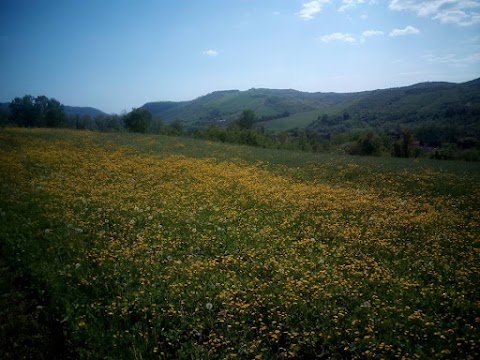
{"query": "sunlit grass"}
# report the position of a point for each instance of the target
(157, 247)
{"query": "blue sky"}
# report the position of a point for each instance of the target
(116, 54)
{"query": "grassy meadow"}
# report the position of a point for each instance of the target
(153, 247)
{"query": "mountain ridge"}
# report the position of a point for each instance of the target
(82, 110)
(69, 110)
(275, 106)
(322, 112)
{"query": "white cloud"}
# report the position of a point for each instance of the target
(210, 53)
(409, 30)
(346, 4)
(474, 58)
(369, 33)
(276, 13)
(311, 8)
(473, 40)
(460, 12)
(338, 36)
(452, 59)
(458, 17)
(350, 4)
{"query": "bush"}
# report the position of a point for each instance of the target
(138, 120)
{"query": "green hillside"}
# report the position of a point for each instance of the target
(69, 110)
(436, 112)
(227, 105)
(435, 104)
(302, 120)
(82, 110)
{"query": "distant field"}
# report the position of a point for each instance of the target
(299, 120)
(153, 247)
(303, 119)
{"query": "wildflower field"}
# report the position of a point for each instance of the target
(153, 247)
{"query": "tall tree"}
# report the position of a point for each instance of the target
(54, 114)
(246, 119)
(405, 146)
(22, 111)
(40, 106)
(40, 111)
(138, 120)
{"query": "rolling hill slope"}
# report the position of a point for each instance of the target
(227, 105)
(69, 110)
(433, 105)
(279, 110)
(82, 110)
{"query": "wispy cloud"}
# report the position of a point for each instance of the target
(473, 40)
(338, 36)
(458, 17)
(369, 33)
(311, 8)
(460, 12)
(409, 30)
(347, 4)
(210, 53)
(350, 4)
(452, 59)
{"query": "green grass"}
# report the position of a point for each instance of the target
(300, 121)
(154, 247)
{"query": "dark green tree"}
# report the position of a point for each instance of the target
(138, 120)
(22, 111)
(177, 125)
(157, 125)
(370, 144)
(175, 128)
(40, 111)
(84, 122)
(246, 119)
(40, 106)
(100, 122)
(4, 115)
(54, 114)
(405, 146)
(113, 123)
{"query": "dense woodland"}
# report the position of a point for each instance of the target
(438, 120)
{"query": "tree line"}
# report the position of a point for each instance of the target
(402, 142)
(41, 111)
(38, 111)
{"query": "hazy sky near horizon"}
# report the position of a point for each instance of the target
(119, 54)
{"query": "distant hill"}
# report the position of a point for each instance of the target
(437, 103)
(227, 105)
(69, 110)
(433, 107)
(82, 110)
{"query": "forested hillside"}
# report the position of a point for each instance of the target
(437, 111)
(437, 119)
(227, 105)
(82, 110)
(436, 104)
